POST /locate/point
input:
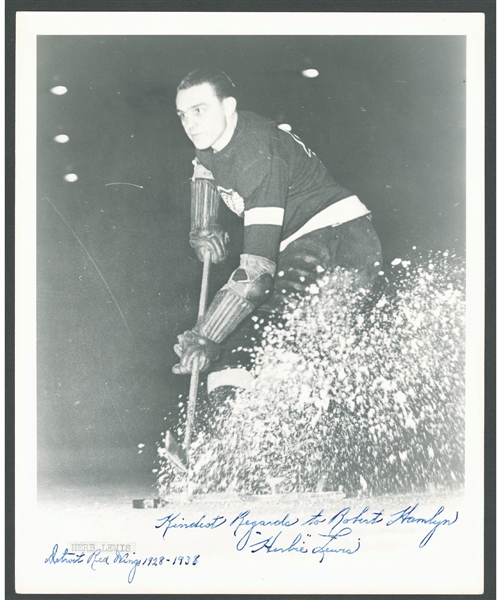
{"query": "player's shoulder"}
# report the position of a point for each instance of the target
(260, 134)
(257, 127)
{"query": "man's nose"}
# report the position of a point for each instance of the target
(191, 123)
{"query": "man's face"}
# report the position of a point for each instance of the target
(203, 116)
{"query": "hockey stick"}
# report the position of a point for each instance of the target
(193, 384)
(178, 455)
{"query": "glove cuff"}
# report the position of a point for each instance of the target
(205, 201)
(227, 311)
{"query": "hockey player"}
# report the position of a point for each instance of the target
(297, 220)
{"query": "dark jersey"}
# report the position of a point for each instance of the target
(270, 178)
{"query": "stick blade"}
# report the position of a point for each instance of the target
(175, 453)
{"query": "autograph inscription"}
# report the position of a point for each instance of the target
(321, 534)
(333, 529)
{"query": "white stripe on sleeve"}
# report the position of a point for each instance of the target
(269, 215)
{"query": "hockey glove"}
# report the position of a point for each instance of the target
(195, 352)
(212, 239)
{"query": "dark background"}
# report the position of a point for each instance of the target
(117, 279)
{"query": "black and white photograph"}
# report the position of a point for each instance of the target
(249, 303)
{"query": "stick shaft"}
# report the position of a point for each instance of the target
(195, 375)
(193, 393)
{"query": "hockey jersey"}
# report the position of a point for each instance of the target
(267, 176)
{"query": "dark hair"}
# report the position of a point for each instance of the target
(223, 86)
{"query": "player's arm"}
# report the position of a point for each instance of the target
(206, 233)
(249, 286)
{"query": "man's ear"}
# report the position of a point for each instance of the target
(229, 105)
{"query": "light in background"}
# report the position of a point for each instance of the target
(310, 73)
(59, 90)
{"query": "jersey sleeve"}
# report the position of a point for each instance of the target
(264, 185)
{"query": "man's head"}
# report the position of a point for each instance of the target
(206, 105)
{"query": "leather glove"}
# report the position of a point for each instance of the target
(195, 352)
(212, 239)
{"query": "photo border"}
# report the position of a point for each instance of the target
(490, 215)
